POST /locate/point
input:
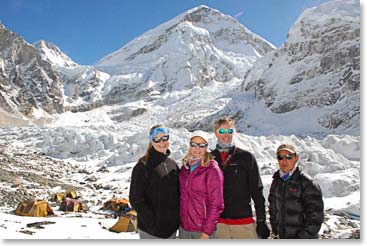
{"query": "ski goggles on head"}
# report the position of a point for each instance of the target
(224, 130)
(165, 138)
(200, 145)
(287, 156)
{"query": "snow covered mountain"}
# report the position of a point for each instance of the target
(201, 65)
(38, 80)
(53, 54)
(193, 49)
(81, 85)
(27, 82)
(317, 69)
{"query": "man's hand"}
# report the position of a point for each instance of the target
(204, 236)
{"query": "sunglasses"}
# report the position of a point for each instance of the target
(288, 157)
(157, 139)
(200, 145)
(224, 130)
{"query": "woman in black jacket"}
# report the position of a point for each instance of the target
(154, 189)
(296, 207)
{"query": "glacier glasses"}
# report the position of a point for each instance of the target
(224, 130)
(288, 157)
(200, 145)
(165, 138)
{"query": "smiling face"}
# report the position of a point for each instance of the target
(198, 152)
(225, 138)
(286, 165)
(162, 145)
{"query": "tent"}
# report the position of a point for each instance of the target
(126, 223)
(35, 208)
(71, 194)
(116, 205)
(58, 197)
(71, 205)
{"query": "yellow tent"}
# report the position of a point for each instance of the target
(35, 208)
(58, 197)
(116, 204)
(126, 223)
(71, 194)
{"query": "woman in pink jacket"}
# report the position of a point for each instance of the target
(201, 191)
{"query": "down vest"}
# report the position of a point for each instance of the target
(201, 198)
(296, 207)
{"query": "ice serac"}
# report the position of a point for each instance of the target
(317, 67)
(193, 49)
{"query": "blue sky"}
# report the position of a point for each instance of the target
(88, 30)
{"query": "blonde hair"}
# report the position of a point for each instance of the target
(223, 120)
(205, 161)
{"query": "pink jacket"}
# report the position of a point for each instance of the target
(201, 198)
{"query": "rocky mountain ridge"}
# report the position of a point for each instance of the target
(317, 67)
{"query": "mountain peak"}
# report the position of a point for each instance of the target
(201, 9)
(53, 54)
(196, 30)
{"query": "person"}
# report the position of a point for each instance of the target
(154, 189)
(201, 191)
(295, 200)
(242, 182)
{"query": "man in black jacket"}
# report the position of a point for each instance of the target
(242, 182)
(296, 207)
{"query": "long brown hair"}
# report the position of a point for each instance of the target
(145, 158)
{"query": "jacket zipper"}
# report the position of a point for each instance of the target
(204, 209)
(165, 167)
(282, 213)
(187, 198)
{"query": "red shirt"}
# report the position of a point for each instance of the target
(223, 155)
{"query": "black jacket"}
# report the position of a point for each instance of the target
(154, 194)
(242, 182)
(296, 207)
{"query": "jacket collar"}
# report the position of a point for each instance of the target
(295, 174)
(156, 157)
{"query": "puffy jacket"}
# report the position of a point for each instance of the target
(296, 207)
(242, 182)
(201, 198)
(154, 194)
